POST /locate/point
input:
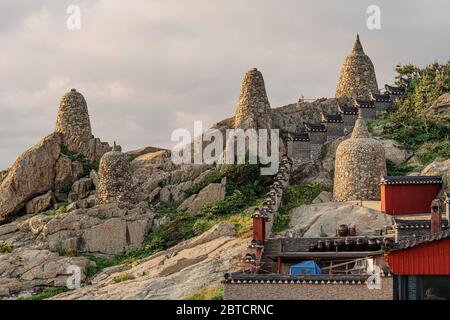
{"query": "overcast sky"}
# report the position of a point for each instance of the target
(148, 67)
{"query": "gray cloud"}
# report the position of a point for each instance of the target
(148, 67)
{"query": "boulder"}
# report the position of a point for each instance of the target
(141, 151)
(90, 230)
(324, 196)
(81, 189)
(440, 109)
(41, 203)
(94, 177)
(394, 153)
(32, 174)
(439, 168)
(308, 220)
(209, 194)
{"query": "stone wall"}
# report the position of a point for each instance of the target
(368, 113)
(334, 130)
(349, 122)
(299, 151)
(294, 291)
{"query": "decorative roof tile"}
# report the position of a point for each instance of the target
(388, 180)
(348, 110)
(315, 127)
(365, 104)
(298, 137)
(331, 118)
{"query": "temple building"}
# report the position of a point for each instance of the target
(360, 164)
(357, 78)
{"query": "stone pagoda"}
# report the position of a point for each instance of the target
(357, 79)
(360, 165)
(253, 109)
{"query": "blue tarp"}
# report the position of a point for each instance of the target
(305, 267)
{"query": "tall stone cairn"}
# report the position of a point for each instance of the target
(73, 122)
(253, 109)
(360, 164)
(115, 181)
(357, 78)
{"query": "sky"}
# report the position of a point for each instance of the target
(147, 67)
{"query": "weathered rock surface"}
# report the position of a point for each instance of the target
(141, 151)
(26, 269)
(394, 152)
(209, 194)
(440, 109)
(324, 196)
(307, 220)
(32, 174)
(41, 203)
(439, 168)
(172, 274)
(105, 229)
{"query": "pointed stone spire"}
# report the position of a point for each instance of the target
(357, 79)
(253, 109)
(357, 47)
(360, 129)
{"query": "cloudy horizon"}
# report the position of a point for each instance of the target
(149, 67)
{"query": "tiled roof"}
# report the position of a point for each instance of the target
(385, 97)
(395, 90)
(298, 137)
(415, 224)
(249, 278)
(365, 103)
(315, 127)
(330, 118)
(411, 180)
(415, 241)
(348, 110)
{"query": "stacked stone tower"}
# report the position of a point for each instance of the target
(360, 164)
(74, 126)
(73, 122)
(115, 181)
(253, 109)
(357, 78)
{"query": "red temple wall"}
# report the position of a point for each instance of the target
(431, 258)
(408, 199)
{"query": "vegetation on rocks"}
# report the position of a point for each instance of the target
(46, 293)
(410, 123)
(294, 196)
(215, 293)
(87, 166)
(6, 247)
(125, 276)
(401, 169)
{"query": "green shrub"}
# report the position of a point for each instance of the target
(401, 169)
(46, 293)
(213, 177)
(87, 166)
(124, 276)
(6, 247)
(409, 122)
(206, 293)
